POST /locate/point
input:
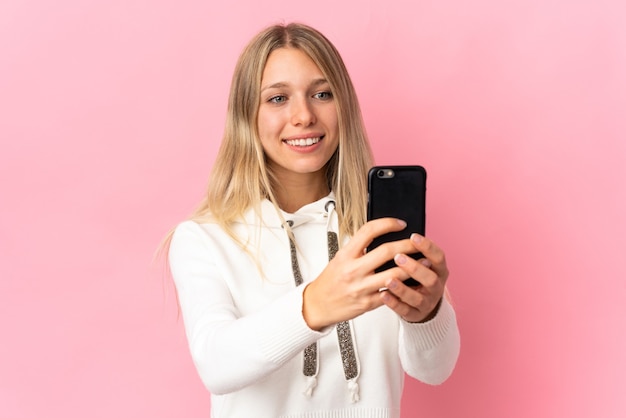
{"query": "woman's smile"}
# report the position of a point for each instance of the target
(305, 141)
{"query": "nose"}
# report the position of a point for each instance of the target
(302, 113)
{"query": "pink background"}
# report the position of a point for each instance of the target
(110, 116)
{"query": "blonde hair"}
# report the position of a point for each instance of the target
(241, 179)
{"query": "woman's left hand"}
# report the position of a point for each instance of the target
(418, 304)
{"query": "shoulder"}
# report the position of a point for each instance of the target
(187, 236)
(186, 230)
(193, 246)
(197, 237)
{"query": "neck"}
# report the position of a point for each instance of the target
(297, 191)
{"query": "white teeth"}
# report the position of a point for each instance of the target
(303, 142)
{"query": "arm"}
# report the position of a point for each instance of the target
(231, 351)
(429, 335)
(429, 350)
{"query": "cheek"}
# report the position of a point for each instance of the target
(261, 123)
(267, 125)
(267, 131)
(332, 122)
(330, 117)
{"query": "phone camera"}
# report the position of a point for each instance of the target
(384, 173)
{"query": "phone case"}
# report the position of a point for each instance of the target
(398, 192)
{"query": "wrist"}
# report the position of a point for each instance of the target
(309, 313)
(430, 316)
(434, 312)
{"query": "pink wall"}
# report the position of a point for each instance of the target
(111, 113)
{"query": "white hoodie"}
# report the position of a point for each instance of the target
(246, 332)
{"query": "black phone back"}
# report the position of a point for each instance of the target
(398, 192)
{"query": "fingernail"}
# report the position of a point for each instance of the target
(392, 284)
(400, 259)
(426, 262)
(416, 238)
(402, 223)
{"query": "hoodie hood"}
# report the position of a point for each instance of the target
(268, 216)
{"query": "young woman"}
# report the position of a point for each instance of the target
(284, 314)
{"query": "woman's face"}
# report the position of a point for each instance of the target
(297, 116)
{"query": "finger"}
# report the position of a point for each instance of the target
(386, 252)
(404, 310)
(383, 278)
(370, 230)
(419, 303)
(433, 253)
(411, 296)
(432, 286)
(420, 270)
(377, 257)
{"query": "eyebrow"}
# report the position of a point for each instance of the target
(282, 84)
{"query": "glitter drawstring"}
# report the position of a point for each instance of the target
(310, 363)
(345, 338)
(345, 332)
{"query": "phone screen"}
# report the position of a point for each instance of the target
(398, 192)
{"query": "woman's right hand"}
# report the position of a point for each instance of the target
(348, 286)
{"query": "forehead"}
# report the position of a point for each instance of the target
(289, 65)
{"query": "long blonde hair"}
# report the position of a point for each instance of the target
(240, 178)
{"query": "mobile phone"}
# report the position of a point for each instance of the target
(397, 192)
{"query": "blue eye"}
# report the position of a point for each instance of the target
(277, 99)
(323, 95)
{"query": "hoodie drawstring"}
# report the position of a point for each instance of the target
(345, 331)
(310, 366)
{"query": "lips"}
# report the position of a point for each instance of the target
(303, 142)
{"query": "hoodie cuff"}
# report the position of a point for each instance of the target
(428, 335)
(285, 333)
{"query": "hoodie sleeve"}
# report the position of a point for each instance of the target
(231, 351)
(429, 351)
